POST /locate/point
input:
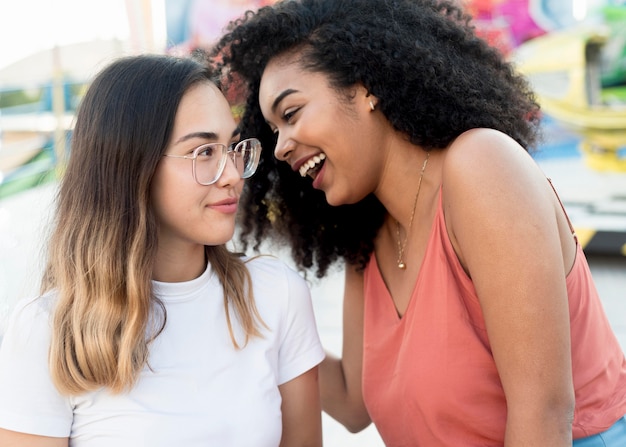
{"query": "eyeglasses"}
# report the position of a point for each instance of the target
(210, 159)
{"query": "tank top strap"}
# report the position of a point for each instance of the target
(569, 222)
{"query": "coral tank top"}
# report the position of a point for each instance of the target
(429, 378)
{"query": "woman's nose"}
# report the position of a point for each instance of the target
(230, 175)
(284, 148)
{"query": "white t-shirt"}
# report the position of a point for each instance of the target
(198, 390)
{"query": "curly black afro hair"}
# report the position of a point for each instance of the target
(433, 76)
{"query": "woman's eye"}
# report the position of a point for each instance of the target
(206, 151)
(288, 115)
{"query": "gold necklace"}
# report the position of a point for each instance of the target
(402, 245)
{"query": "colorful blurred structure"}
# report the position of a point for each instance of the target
(39, 95)
(505, 24)
(579, 75)
(197, 24)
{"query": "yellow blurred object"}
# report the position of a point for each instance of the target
(566, 70)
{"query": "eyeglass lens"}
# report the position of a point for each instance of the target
(210, 160)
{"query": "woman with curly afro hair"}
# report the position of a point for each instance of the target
(396, 144)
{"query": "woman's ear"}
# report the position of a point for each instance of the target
(369, 100)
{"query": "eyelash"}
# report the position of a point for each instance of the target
(288, 115)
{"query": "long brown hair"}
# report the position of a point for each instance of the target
(104, 238)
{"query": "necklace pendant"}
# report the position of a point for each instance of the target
(402, 245)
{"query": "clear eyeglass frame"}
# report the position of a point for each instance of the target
(244, 155)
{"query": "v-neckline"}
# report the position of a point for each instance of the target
(388, 297)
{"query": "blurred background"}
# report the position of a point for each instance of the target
(572, 51)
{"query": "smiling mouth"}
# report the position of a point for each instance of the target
(313, 166)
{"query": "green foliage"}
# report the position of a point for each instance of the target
(11, 98)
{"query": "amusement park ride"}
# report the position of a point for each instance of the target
(579, 76)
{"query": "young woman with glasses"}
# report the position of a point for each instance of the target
(149, 331)
(396, 141)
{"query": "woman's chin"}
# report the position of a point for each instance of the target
(334, 199)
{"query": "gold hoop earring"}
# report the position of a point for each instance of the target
(372, 105)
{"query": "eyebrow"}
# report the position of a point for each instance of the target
(282, 96)
(204, 135)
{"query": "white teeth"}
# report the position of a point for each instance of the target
(311, 163)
